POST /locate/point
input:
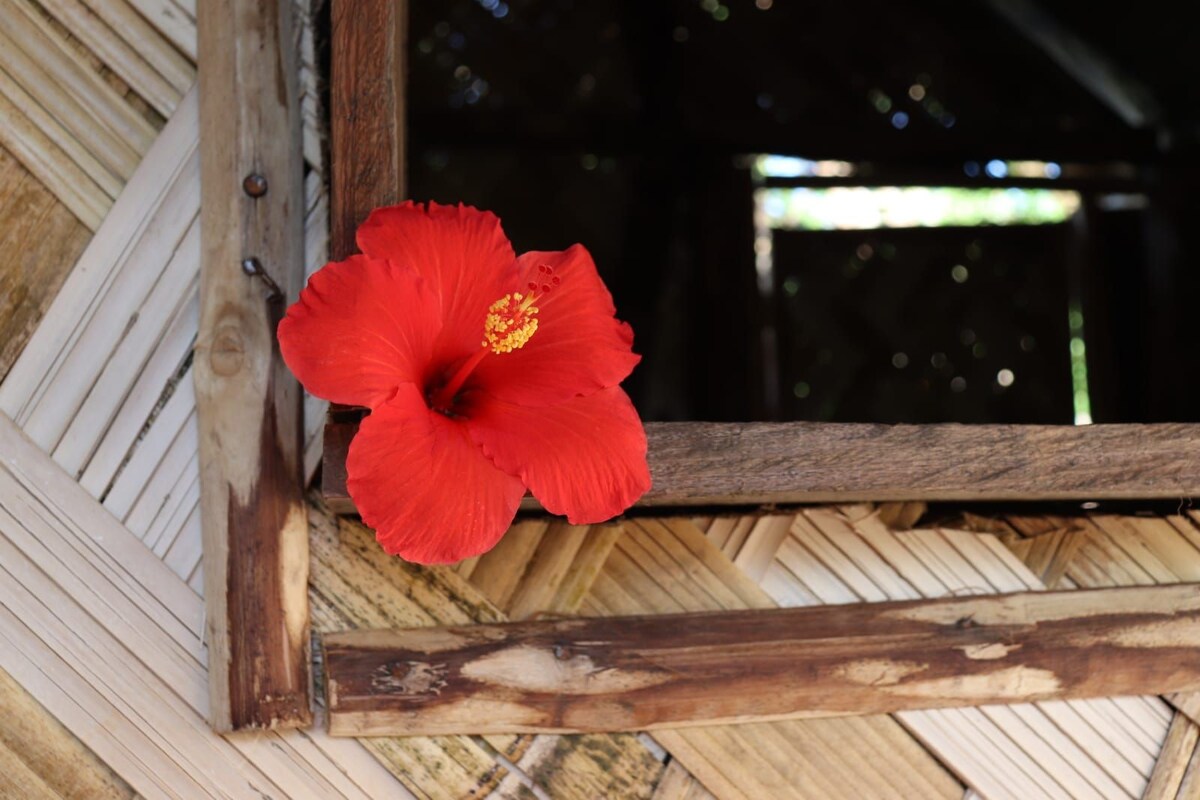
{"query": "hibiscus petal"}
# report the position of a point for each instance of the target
(585, 458)
(461, 252)
(579, 347)
(361, 327)
(424, 486)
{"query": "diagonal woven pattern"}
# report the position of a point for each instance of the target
(102, 669)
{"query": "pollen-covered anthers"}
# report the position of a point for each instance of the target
(512, 320)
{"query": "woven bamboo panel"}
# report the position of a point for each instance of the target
(102, 670)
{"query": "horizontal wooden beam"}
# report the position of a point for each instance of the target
(637, 673)
(702, 463)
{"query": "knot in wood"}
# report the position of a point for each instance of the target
(228, 352)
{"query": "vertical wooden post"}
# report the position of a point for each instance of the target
(367, 78)
(255, 525)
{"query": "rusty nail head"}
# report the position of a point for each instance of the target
(255, 185)
(251, 266)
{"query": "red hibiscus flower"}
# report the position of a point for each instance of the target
(486, 373)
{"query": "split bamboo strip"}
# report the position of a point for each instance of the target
(72, 91)
(248, 405)
(1173, 762)
(108, 639)
(131, 349)
(98, 175)
(142, 212)
(49, 163)
(39, 241)
(177, 24)
(110, 29)
(40, 744)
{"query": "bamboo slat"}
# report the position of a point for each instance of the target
(72, 91)
(42, 157)
(138, 665)
(39, 240)
(34, 742)
(130, 47)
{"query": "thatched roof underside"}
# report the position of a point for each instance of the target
(102, 676)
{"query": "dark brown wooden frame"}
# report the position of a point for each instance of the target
(695, 464)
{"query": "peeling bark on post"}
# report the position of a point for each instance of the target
(255, 525)
(636, 673)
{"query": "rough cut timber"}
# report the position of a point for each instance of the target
(255, 526)
(697, 669)
(694, 464)
(367, 77)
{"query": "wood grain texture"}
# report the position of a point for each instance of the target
(674, 671)
(40, 241)
(703, 463)
(367, 76)
(254, 520)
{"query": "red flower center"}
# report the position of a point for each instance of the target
(510, 324)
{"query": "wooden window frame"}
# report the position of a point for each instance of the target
(707, 464)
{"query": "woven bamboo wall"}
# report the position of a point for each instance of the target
(102, 677)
